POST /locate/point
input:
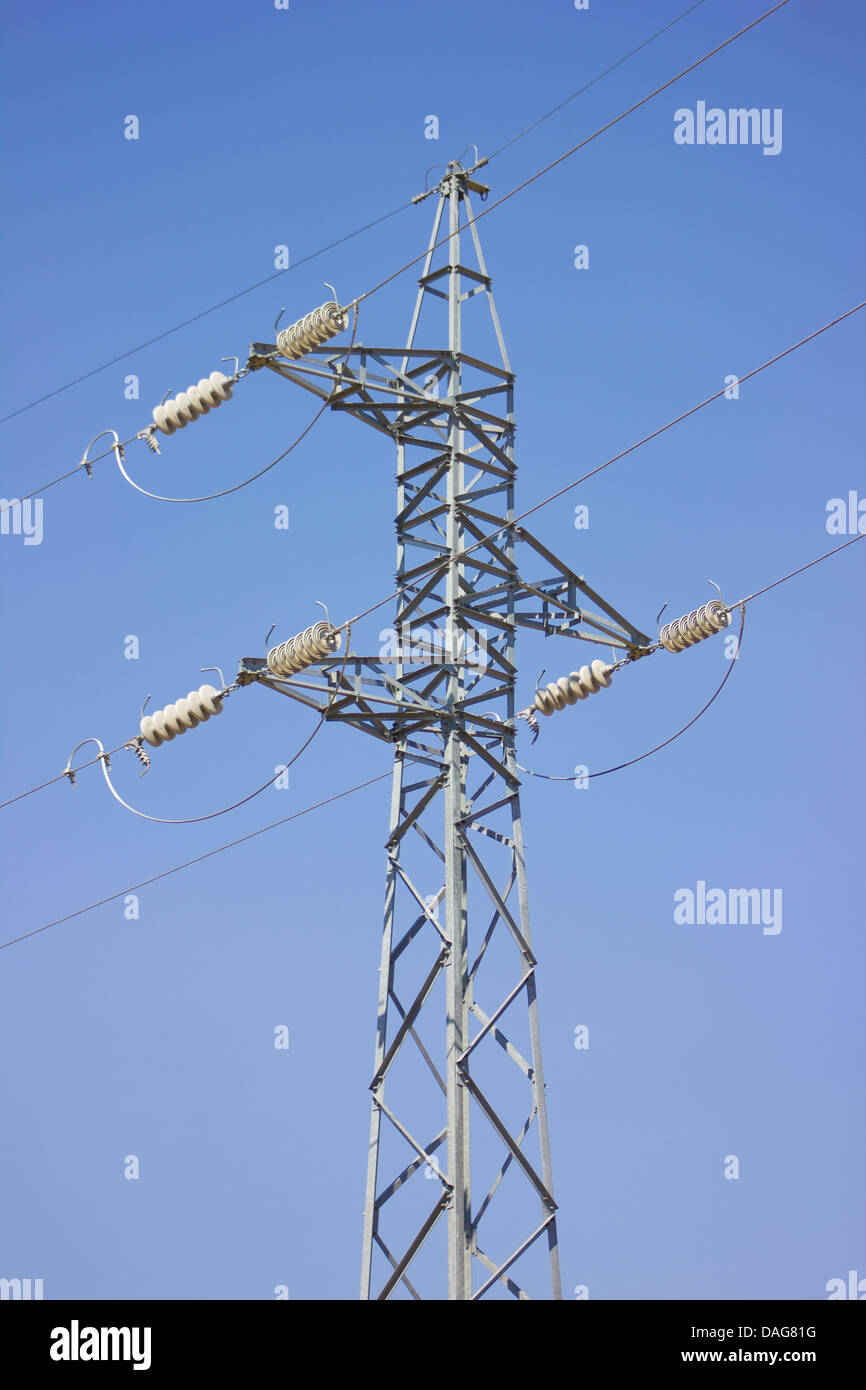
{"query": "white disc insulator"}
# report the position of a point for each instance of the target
(185, 716)
(210, 698)
(565, 690)
(149, 732)
(196, 708)
(221, 385)
(161, 727)
(601, 671)
(162, 420)
(588, 681)
(169, 714)
(189, 405)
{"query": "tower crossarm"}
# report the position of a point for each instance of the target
(457, 1058)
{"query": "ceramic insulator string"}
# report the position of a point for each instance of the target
(313, 330)
(573, 687)
(177, 413)
(315, 643)
(176, 719)
(695, 627)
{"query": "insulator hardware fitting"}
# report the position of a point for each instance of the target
(577, 685)
(313, 330)
(695, 627)
(176, 719)
(315, 643)
(177, 413)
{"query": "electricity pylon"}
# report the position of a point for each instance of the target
(460, 1146)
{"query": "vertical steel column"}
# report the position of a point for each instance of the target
(371, 1215)
(455, 774)
(456, 970)
(398, 808)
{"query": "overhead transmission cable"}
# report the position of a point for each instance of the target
(548, 777)
(349, 236)
(210, 497)
(61, 775)
(569, 486)
(421, 256)
(371, 781)
(219, 850)
(573, 150)
(112, 897)
(615, 458)
(40, 400)
(118, 447)
(71, 474)
(606, 73)
(505, 198)
(183, 715)
(739, 604)
(193, 820)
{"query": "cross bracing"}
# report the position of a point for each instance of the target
(459, 1196)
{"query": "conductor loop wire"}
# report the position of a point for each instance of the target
(574, 148)
(103, 757)
(527, 714)
(348, 236)
(212, 815)
(472, 220)
(211, 496)
(116, 448)
(549, 777)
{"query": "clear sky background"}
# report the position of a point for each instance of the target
(154, 1037)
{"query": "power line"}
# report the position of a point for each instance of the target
(112, 897)
(825, 556)
(371, 781)
(585, 88)
(573, 150)
(545, 501)
(211, 496)
(208, 498)
(470, 222)
(576, 483)
(547, 777)
(103, 757)
(203, 314)
(117, 450)
(505, 198)
(63, 476)
(60, 776)
(741, 604)
(305, 260)
(212, 815)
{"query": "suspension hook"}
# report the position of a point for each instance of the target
(68, 771)
(215, 668)
(116, 446)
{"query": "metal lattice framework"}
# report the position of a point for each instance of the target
(456, 943)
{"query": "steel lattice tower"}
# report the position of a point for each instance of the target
(456, 941)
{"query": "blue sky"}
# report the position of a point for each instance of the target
(154, 1037)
